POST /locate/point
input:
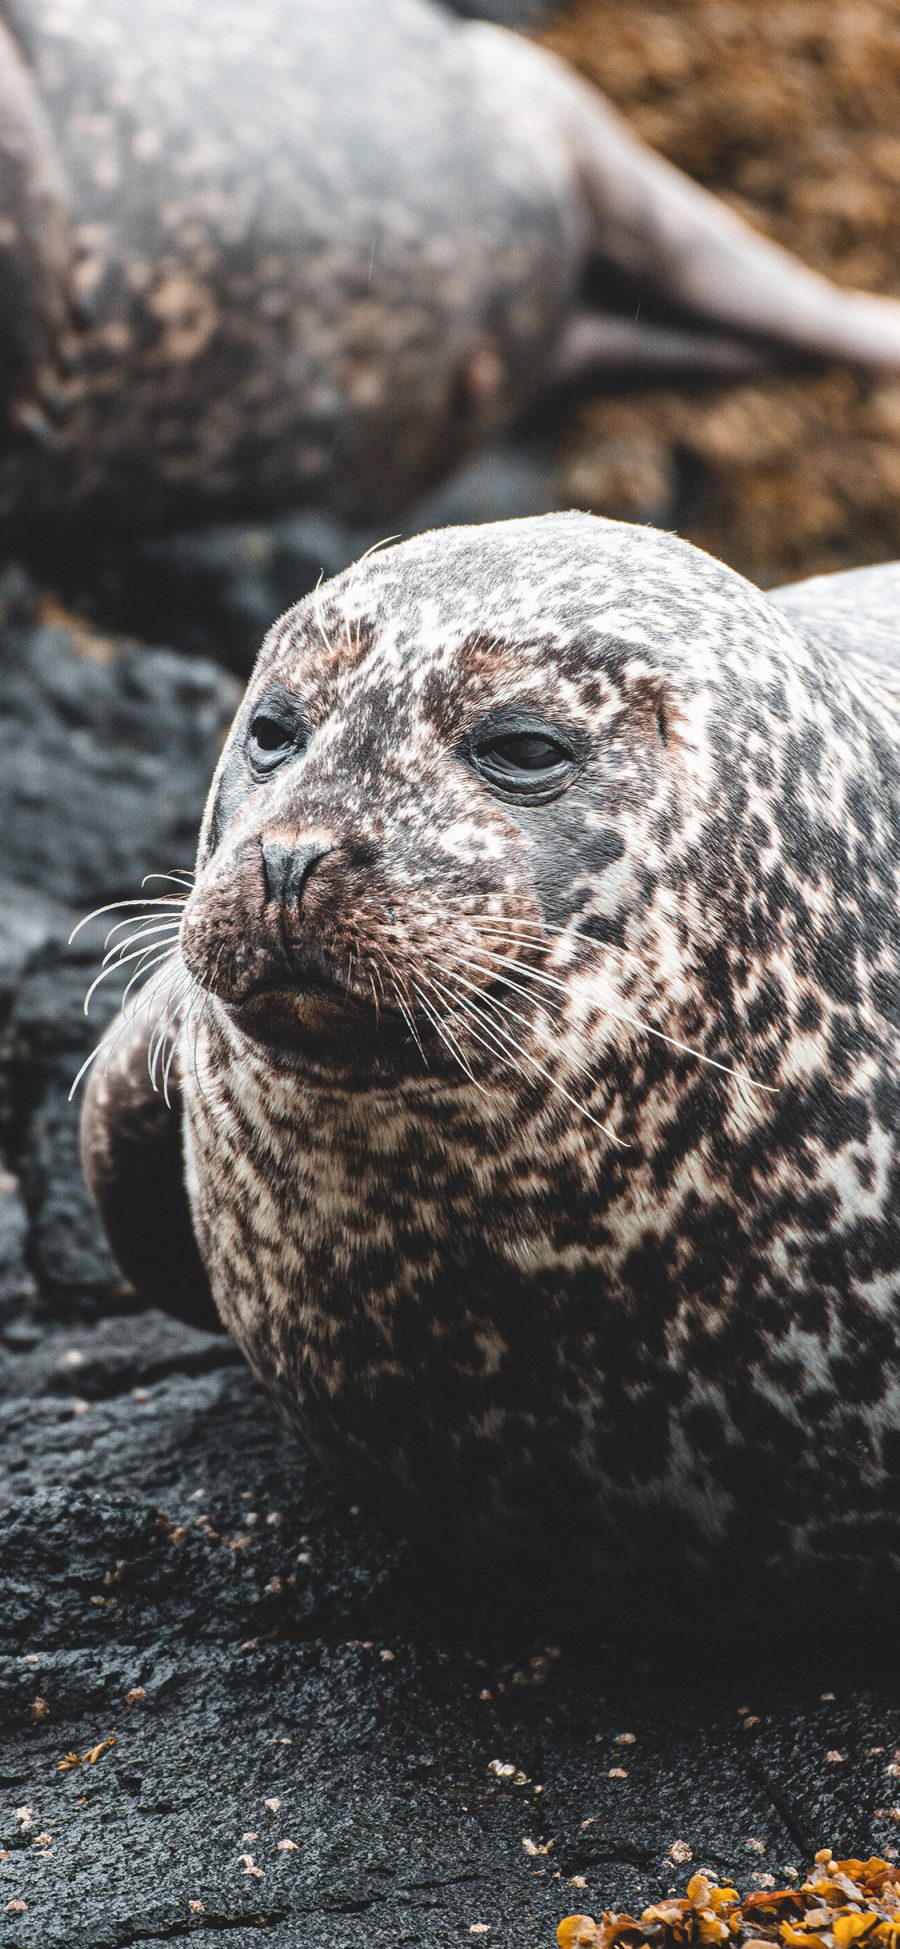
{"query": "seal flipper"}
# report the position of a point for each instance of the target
(131, 1149)
(653, 223)
(595, 343)
(645, 220)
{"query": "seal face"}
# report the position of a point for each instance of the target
(541, 1079)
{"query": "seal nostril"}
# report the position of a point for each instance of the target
(276, 860)
(303, 861)
(287, 868)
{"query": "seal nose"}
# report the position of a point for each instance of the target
(287, 868)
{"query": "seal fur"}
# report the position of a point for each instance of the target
(543, 1152)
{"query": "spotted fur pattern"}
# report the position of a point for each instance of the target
(552, 1282)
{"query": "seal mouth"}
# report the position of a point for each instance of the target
(313, 1020)
(309, 1018)
(289, 990)
(305, 999)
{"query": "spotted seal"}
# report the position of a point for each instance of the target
(534, 1013)
(233, 276)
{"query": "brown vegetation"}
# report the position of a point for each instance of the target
(790, 109)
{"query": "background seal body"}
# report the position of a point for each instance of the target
(605, 1275)
(318, 250)
(307, 254)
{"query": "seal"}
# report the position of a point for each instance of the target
(534, 1017)
(267, 285)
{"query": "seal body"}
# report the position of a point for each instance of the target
(540, 1065)
(315, 250)
(313, 256)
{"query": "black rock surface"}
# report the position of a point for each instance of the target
(213, 591)
(277, 1730)
(509, 13)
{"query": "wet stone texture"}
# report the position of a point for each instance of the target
(227, 1706)
(214, 590)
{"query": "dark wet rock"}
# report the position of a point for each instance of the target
(170, 1537)
(214, 591)
(234, 1657)
(106, 750)
(17, 1285)
(31, 924)
(105, 755)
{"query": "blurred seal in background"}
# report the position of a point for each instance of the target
(313, 251)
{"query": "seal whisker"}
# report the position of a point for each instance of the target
(494, 1003)
(168, 1013)
(619, 1013)
(139, 921)
(143, 955)
(180, 985)
(627, 1015)
(207, 994)
(115, 906)
(406, 1005)
(453, 1041)
(408, 1018)
(329, 646)
(180, 980)
(172, 1006)
(450, 1042)
(105, 1046)
(367, 554)
(470, 1009)
(352, 646)
(538, 933)
(145, 932)
(197, 1026)
(144, 969)
(176, 1039)
(193, 1019)
(353, 956)
(377, 986)
(358, 564)
(123, 1020)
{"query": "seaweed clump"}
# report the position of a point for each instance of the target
(842, 1903)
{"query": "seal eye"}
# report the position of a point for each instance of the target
(523, 759)
(277, 731)
(268, 734)
(523, 754)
